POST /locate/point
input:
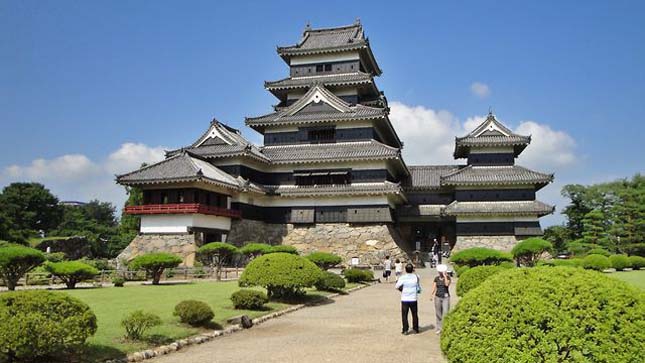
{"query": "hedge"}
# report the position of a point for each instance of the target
(249, 299)
(17, 260)
(619, 262)
(572, 262)
(475, 276)
(598, 251)
(324, 260)
(547, 314)
(358, 275)
(155, 263)
(637, 262)
(596, 262)
(477, 256)
(330, 281)
(194, 312)
(71, 272)
(42, 323)
(529, 251)
(283, 275)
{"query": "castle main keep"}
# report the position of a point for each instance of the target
(330, 175)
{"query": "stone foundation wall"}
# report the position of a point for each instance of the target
(502, 243)
(371, 243)
(182, 245)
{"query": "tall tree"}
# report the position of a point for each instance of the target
(30, 207)
(129, 224)
(558, 236)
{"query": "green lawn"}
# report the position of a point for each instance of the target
(635, 278)
(111, 304)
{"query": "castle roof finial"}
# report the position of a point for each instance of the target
(357, 21)
(308, 26)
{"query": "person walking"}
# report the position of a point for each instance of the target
(410, 287)
(436, 253)
(441, 295)
(398, 268)
(387, 268)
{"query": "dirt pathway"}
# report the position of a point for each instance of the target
(364, 326)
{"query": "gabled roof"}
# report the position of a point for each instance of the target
(334, 189)
(524, 207)
(495, 175)
(490, 133)
(338, 110)
(329, 40)
(427, 177)
(222, 141)
(182, 167)
(330, 152)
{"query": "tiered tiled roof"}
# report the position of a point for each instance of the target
(330, 40)
(221, 141)
(490, 133)
(332, 152)
(182, 167)
(427, 177)
(525, 207)
(495, 175)
(341, 79)
(335, 189)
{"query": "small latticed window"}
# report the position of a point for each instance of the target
(326, 134)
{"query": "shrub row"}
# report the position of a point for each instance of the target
(547, 314)
(477, 256)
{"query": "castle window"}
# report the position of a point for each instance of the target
(319, 68)
(327, 67)
(323, 134)
(164, 198)
(180, 196)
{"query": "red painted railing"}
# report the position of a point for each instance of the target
(184, 208)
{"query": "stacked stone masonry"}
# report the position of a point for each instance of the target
(502, 243)
(182, 245)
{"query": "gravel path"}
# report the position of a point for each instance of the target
(364, 326)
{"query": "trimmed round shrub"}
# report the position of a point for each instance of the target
(283, 249)
(637, 262)
(330, 281)
(71, 272)
(474, 277)
(324, 260)
(358, 275)
(529, 251)
(547, 314)
(254, 249)
(477, 256)
(572, 262)
(55, 256)
(118, 281)
(619, 262)
(194, 312)
(247, 299)
(283, 275)
(596, 262)
(219, 253)
(138, 322)
(17, 260)
(42, 323)
(155, 263)
(598, 251)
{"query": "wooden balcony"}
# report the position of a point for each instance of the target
(184, 208)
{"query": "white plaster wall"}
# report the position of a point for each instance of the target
(475, 219)
(179, 223)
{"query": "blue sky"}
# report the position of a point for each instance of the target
(79, 80)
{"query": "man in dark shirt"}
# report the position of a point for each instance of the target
(441, 295)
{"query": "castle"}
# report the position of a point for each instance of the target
(330, 175)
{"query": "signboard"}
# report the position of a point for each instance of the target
(355, 261)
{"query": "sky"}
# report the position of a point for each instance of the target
(92, 89)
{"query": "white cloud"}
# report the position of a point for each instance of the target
(77, 177)
(480, 90)
(549, 148)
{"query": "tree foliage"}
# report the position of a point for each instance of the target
(95, 221)
(477, 256)
(324, 260)
(254, 249)
(15, 261)
(155, 264)
(71, 272)
(547, 314)
(28, 208)
(218, 253)
(36, 324)
(529, 251)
